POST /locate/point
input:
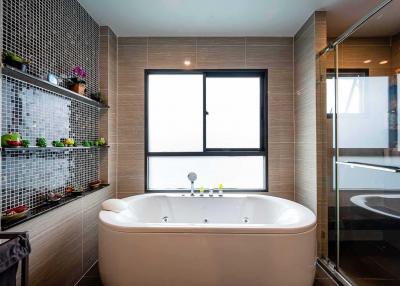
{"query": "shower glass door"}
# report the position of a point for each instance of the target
(362, 91)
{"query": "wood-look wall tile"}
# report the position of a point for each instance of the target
(131, 58)
(41, 224)
(131, 82)
(130, 184)
(122, 195)
(171, 56)
(104, 30)
(172, 41)
(220, 57)
(280, 81)
(269, 41)
(221, 41)
(90, 235)
(57, 261)
(283, 195)
(278, 57)
(127, 41)
(211, 53)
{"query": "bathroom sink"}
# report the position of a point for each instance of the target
(387, 205)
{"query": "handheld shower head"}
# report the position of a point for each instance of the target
(192, 176)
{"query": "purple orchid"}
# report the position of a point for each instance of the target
(79, 71)
(80, 74)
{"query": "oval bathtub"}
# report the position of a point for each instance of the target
(175, 239)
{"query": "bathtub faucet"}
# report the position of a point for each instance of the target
(192, 176)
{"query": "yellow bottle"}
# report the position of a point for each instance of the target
(220, 190)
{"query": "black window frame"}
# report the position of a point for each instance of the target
(261, 151)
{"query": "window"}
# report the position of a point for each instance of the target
(210, 122)
(351, 89)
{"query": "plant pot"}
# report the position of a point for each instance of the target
(18, 65)
(78, 88)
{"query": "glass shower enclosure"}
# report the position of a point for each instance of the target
(362, 87)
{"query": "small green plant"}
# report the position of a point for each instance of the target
(86, 143)
(13, 57)
(25, 143)
(57, 143)
(41, 142)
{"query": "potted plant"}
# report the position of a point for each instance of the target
(97, 97)
(77, 83)
(16, 61)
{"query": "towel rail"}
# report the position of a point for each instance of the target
(391, 169)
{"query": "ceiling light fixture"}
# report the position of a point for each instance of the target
(383, 62)
(187, 63)
(367, 61)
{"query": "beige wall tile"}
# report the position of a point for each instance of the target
(170, 56)
(223, 41)
(59, 259)
(274, 54)
(271, 57)
(269, 41)
(218, 57)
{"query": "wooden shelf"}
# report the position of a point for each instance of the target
(19, 75)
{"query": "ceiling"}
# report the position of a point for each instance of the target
(222, 17)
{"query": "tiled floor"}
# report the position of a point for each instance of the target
(92, 278)
(371, 263)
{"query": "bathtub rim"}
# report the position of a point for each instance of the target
(108, 218)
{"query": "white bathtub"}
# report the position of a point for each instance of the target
(175, 239)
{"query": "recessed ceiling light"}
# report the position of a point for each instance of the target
(187, 63)
(367, 61)
(383, 62)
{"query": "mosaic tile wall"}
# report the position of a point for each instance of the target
(42, 30)
(27, 175)
(54, 36)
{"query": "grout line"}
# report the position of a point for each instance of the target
(294, 118)
(116, 116)
(245, 61)
(196, 53)
(83, 276)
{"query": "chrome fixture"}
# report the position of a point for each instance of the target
(210, 192)
(192, 176)
(164, 219)
(391, 169)
(220, 192)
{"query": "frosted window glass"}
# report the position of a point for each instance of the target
(233, 106)
(175, 113)
(238, 172)
(351, 94)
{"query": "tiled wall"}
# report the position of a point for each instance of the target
(396, 53)
(354, 51)
(64, 241)
(108, 89)
(55, 36)
(137, 54)
(310, 121)
(41, 32)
